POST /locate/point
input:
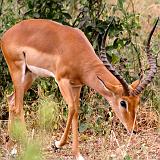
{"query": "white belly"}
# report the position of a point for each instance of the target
(40, 71)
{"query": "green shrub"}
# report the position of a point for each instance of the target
(49, 114)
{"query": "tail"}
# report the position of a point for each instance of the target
(26, 68)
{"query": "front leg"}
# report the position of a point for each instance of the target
(75, 144)
(66, 92)
(71, 95)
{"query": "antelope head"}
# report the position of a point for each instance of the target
(125, 98)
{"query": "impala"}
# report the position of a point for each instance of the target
(39, 47)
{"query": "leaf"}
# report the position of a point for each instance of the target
(36, 15)
(30, 4)
(115, 44)
(68, 16)
(28, 12)
(83, 127)
(89, 29)
(115, 58)
(127, 157)
(120, 4)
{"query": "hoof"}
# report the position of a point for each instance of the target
(13, 152)
(54, 146)
(79, 157)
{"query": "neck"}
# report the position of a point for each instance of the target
(101, 80)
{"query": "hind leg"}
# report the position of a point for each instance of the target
(13, 115)
(28, 80)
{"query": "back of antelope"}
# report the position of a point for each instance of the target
(45, 48)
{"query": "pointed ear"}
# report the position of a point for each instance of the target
(108, 86)
(114, 89)
(135, 84)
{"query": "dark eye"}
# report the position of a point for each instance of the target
(123, 104)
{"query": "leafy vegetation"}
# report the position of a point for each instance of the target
(125, 50)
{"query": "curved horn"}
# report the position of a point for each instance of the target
(152, 63)
(105, 35)
(109, 66)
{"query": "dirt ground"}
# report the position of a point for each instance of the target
(143, 146)
(116, 145)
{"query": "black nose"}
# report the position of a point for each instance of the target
(134, 132)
